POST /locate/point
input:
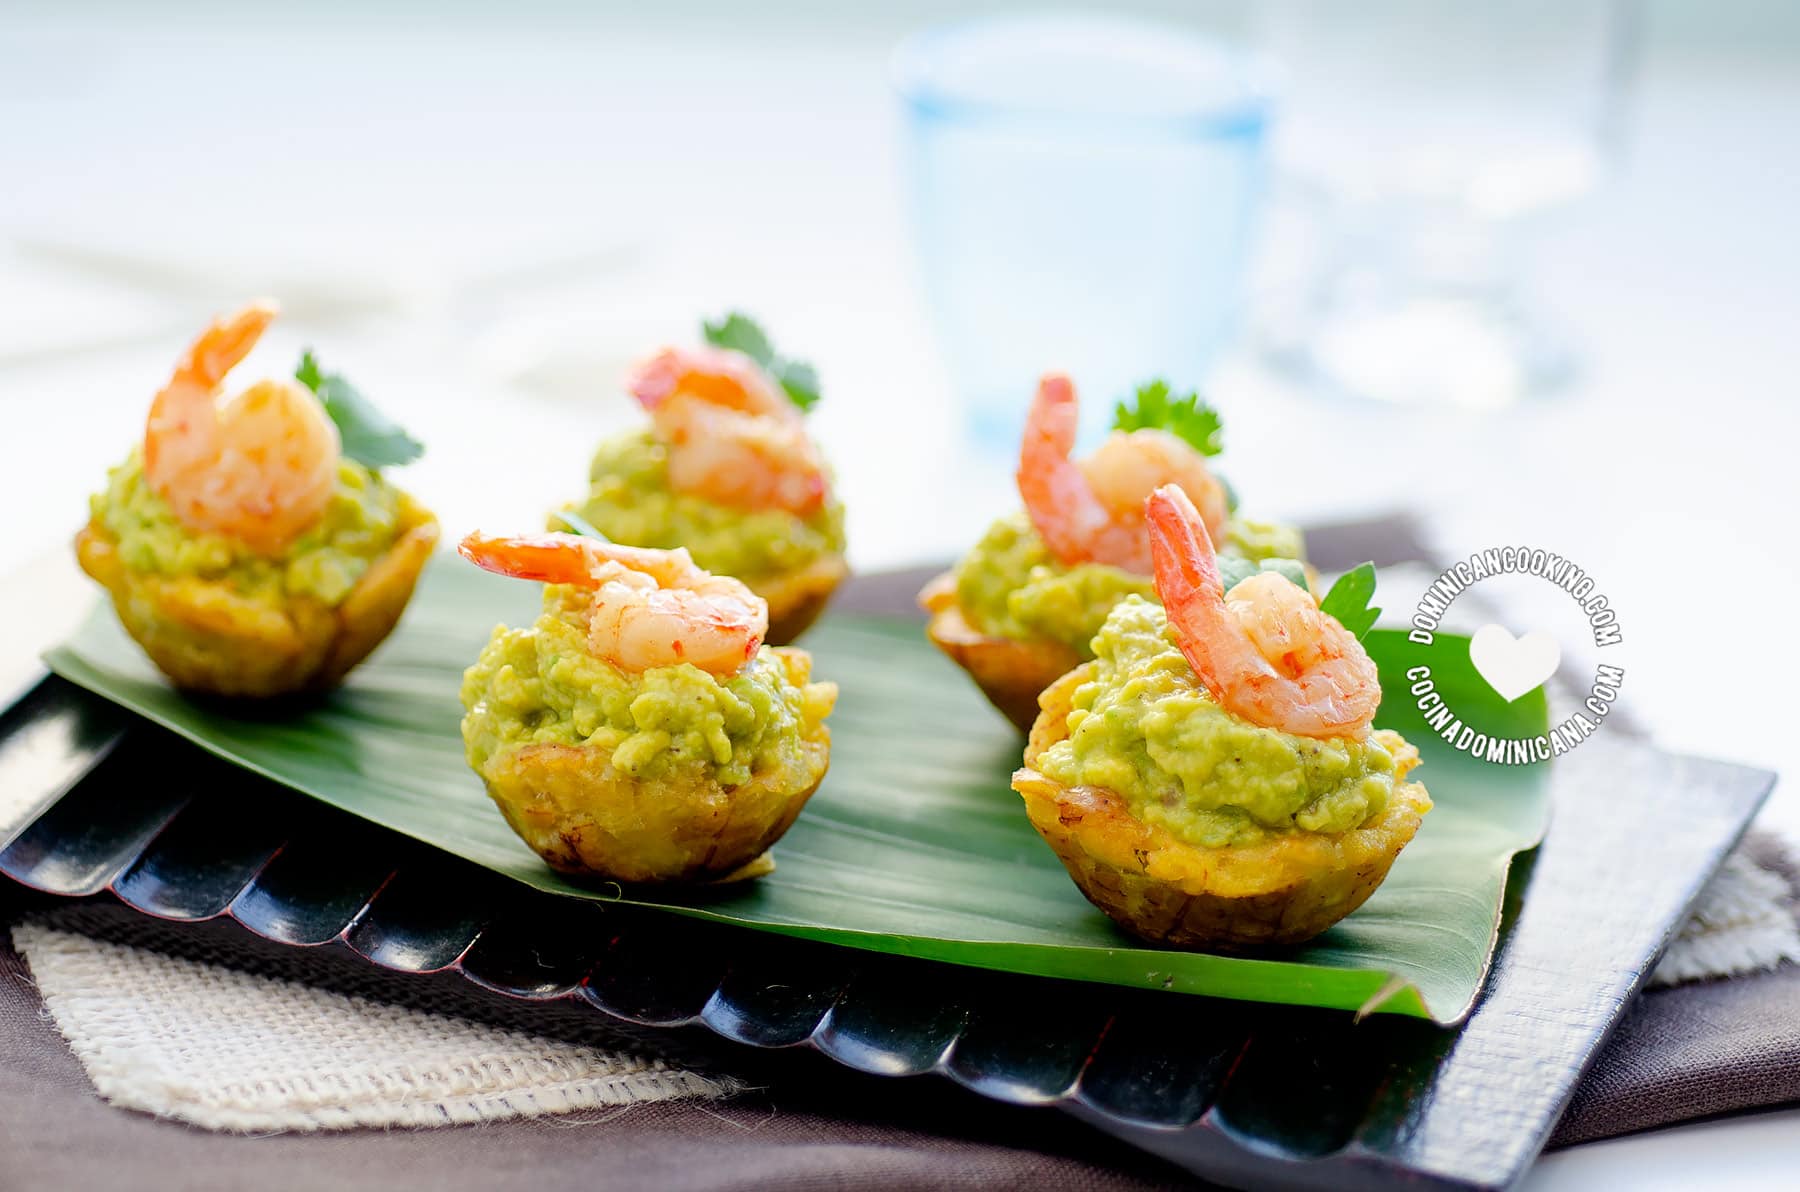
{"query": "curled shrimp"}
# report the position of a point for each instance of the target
(259, 468)
(650, 608)
(733, 436)
(1267, 653)
(1092, 511)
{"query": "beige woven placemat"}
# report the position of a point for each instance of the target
(231, 1050)
(1743, 922)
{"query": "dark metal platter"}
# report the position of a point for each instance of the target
(1239, 1093)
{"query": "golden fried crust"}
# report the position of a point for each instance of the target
(586, 818)
(206, 638)
(796, 598)
(1010, 673)
(1283, 890)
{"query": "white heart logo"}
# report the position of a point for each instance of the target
(1512, 665)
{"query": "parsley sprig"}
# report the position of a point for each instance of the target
(369, 437)
(740, 332)
(1155, 407)
(1349, 598)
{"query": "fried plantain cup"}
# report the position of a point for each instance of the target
(796, 598)
(1010, 672)
(209, 639)
(1281, 891)
(587, 818)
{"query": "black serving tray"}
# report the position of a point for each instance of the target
(1239, 1093)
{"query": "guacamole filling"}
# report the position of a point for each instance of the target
(541, 686)
(629, 500)
(1010, 585)
(1144, 728)
(359, 525)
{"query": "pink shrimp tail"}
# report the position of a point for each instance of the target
(1057, 496)
(654, 380)
(1186, 574)
(1050, 426)
(1057, 411)
(1180, 547)
(547, 558)
(225, 344)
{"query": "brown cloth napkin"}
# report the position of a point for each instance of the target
(1698, 1050)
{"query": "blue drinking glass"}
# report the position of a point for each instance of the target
(1083, 194)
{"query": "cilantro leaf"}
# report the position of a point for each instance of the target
(1234, 570)
(308, 373)
(800, 382)
(580, 524)
(740, 333)
(1349, 598)
(369, 437)
(1186, 417)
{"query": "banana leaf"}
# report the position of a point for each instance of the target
(915, 844)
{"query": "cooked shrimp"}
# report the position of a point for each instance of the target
(733, 436)
(1267, 653)
(650, 607)
(1092, 511)
(262, 467)
(717, 376)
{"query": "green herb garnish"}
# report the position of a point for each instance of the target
(369, 437)
(580, 524)
(1349, 598)
(1186, 417)
(740, 333)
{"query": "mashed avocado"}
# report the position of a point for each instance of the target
(629, 500)
(1258, 541)
(1146, 729)
(360, 524)
(540, 685)
(1010, 585)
